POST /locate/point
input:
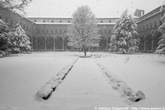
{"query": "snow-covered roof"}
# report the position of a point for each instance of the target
(52, 23)
(67, 21)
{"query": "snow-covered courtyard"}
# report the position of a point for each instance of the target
(85, 87)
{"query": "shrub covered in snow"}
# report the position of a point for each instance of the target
(13, 41)
(2, 53)
(19, 41)
(46, 91)
(137, 97)
(3, 37)
(161, 43)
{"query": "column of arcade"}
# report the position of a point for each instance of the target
(48, 43)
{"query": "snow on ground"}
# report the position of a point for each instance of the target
(85, 87)
(21, 76)
(144, 72)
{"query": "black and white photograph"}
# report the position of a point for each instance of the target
(82, 54)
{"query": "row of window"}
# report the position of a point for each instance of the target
(52, 21)
(105, 22)
(68, 21)
(105, 32)
(148, 26)
(49, 31)
(62, 31)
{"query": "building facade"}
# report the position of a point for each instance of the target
(148, 29)
(52, 33)
(49, 34)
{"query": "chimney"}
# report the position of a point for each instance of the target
(139, 13)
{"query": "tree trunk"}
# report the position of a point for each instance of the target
(85, 52)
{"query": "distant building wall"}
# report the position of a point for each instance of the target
(148, 27)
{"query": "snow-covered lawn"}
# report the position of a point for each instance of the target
(85, 87)
(23, 75)
(144, 72)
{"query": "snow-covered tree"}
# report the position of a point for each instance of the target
(19, 41)
(84, 29)
(3, 35)
(125, 34)
(15, 5)
(161, 29)
(113, 44)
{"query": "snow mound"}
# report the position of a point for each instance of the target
(46, 91)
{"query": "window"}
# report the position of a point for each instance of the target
(11, 22)
(155, 24)
(56, 31)
(27, 28)
(22, 26)
(109, 31)
(31, 27)
(47, 31)
(51, 31)
(100, 31)
(143, 28)
(60, 31)
(147, 27)
(160, 22)
(6, 20)
(101, 21)
(150, 26)
(38, 31)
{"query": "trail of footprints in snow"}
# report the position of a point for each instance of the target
(47, 89)
(122, 87)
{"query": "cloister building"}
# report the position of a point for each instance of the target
(51, 33)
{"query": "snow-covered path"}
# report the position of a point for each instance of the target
(84, 88)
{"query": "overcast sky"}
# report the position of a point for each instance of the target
(101, 8)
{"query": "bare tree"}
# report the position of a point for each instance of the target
(84, 29)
